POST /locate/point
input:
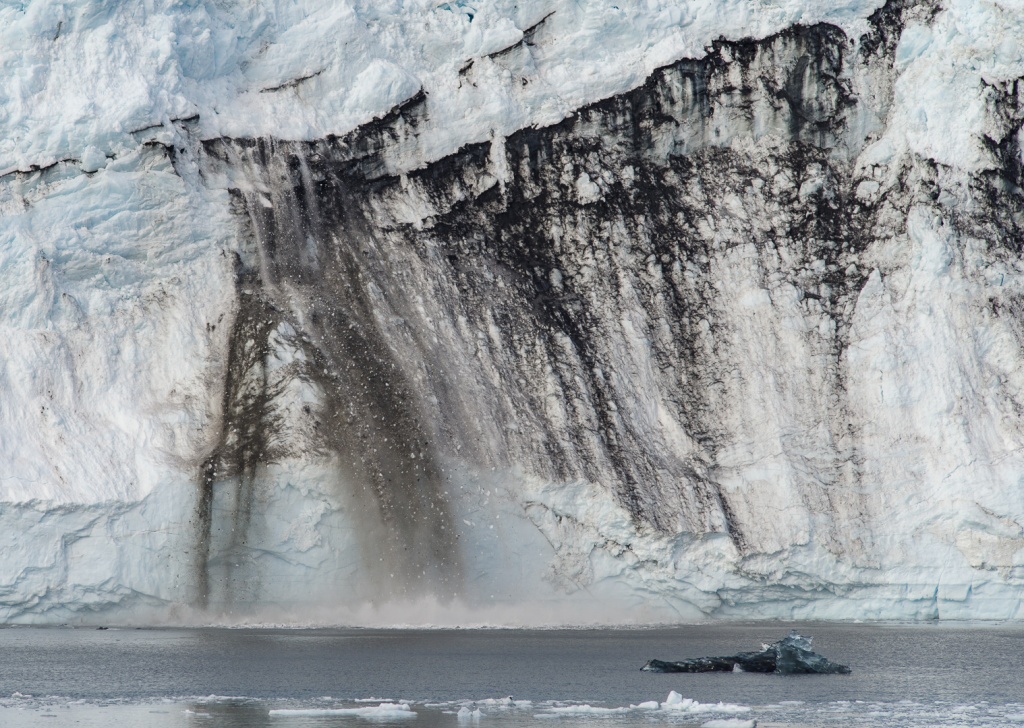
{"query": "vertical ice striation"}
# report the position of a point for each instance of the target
(662, 296)
(738, 337)
(305, 284)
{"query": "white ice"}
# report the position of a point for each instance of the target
(117, 290)
(673, 704)
(383, 711)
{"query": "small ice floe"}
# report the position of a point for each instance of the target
(384, 711)
(502, 704)
(506, 702)
(465, 714)
(584, 710)
(729, 723)
(676, 702)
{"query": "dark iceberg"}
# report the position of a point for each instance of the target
(791, 655)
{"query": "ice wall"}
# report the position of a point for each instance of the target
(732, 335)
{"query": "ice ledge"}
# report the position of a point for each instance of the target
(310, 70)
(583, 563)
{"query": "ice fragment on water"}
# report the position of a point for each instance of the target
(789, 656)
(384, 710)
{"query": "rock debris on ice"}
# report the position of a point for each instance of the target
(701, 308)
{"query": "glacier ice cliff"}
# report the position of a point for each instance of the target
(522, 313)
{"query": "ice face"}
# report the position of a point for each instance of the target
(309, 69)
(628, 310)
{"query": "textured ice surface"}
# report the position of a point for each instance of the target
(780, 378)
(302, 70)
(791, 655)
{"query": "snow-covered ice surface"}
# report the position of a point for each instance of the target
(742, 339)
(307, 69)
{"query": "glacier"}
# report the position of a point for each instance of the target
(540, 312)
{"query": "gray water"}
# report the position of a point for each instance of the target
(902, 676)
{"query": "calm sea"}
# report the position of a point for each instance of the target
(935, 675)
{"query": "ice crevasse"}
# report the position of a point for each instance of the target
(398, 312)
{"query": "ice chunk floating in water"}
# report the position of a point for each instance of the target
(674, 703)
(384, 711)
(791, 655)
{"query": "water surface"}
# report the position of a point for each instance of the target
(933, 675)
